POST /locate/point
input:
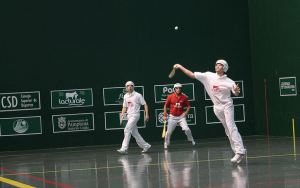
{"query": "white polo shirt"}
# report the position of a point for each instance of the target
(218, 88)
(133, 102)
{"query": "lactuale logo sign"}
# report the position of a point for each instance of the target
(71, 98)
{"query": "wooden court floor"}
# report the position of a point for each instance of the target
(270, 162)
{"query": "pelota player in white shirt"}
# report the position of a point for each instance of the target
(132, 103)
(218, 87)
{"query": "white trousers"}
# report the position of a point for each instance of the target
(172, 123)
(131, 129)
(225, 113)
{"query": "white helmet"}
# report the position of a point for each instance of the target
(177, 85)
(224, 63)
(129, 83)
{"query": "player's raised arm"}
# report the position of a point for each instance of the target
(185, 71)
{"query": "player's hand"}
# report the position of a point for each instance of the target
(146, 118)
(122, 115)
(176, 66)
(184, 114)
(236, 89)
(165, 118)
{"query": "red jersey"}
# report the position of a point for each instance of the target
(176, 104)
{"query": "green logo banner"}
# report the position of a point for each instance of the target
(239, 114)
(241, 95)
(115, 95)
(162, 92)
(15, 126)
(190, 118)
(73, 122)
(71, 98)
(287, 86)
(20, 101)
(112, 120)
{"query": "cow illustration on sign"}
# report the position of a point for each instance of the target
(72, 95)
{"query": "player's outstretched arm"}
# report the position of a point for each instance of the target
(185, 71)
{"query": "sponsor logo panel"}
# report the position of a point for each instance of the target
(73, 122)
(71, 98)
(20, 101)
(161, 92)
(15, 126)
(287, 86)
(115, 95)
(239, 114)
(190, 118)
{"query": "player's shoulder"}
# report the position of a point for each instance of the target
(211, 74)
(171, 95)
(137, 94)
(229, 79)
(184, 96)
(126, 95)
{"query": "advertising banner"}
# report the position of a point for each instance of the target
(287, 86)
(16, 126)
(241, 95)
(71, 98)
(161, 92)
(115, 95)
(20, 101)
(239, 114)
(73, 122)
(112, 120)
(190, 118)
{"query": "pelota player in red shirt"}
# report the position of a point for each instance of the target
(177, 114)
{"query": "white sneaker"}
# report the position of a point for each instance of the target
(146, 149)
(165, 146)
(193, 142)
(237, 158)
(122, 151)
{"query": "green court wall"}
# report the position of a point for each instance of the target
(61, 45)
(274, 29)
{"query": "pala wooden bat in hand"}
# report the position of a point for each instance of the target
(173, 71)
(164, 131)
